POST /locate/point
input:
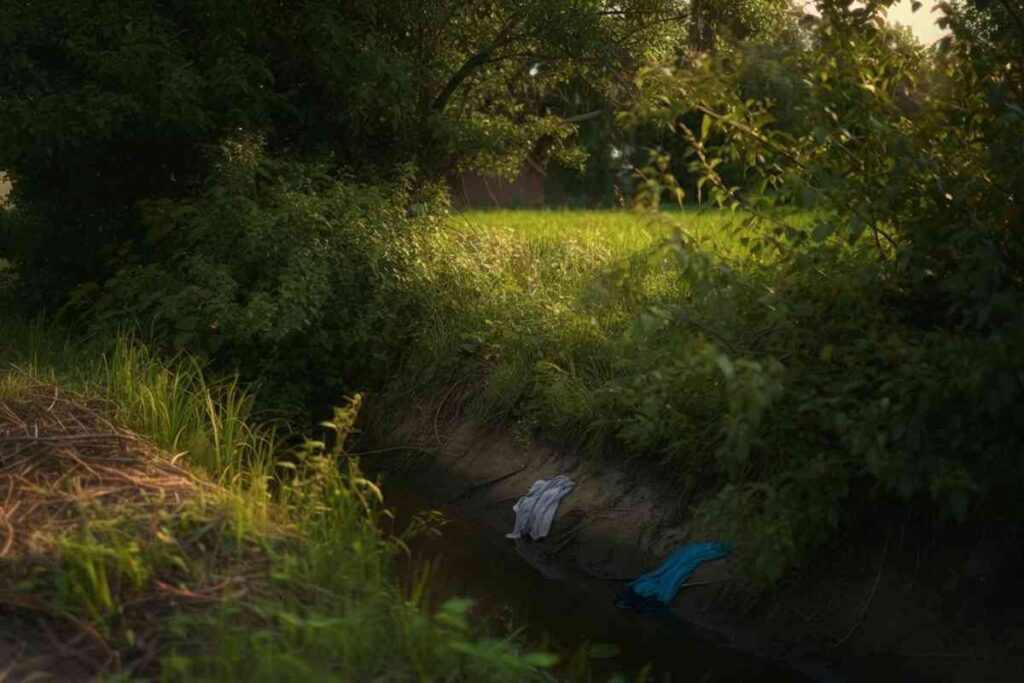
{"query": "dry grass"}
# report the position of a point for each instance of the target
(59, 454)
(66, 470)
(245, 559)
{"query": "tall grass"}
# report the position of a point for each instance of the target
(545, 306)
(299, 532)
(655, 341)
(771, 377)
(173, 404)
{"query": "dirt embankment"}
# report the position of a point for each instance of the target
(891, 597)
(5, 188)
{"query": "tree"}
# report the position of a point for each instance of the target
(760, 33)
(714, 21)
(104, 104)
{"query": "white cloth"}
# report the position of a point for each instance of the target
(536, 510)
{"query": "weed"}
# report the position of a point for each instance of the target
(206, 551)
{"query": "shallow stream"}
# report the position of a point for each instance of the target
(564, 611)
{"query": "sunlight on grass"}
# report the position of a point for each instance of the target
(283, 546)
(544, 303)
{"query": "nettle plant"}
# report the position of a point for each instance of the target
(897, 312)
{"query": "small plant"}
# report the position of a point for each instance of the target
(95, 575)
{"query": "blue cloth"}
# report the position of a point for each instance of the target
(661, 585)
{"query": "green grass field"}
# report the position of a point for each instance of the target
(552, 310)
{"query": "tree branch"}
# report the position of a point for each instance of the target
(506, 37)
(476, 61)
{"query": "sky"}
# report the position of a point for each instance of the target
(922, 22)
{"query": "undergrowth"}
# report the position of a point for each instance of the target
(206, 548)
(777, 393)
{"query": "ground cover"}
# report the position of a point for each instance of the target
(150, 529)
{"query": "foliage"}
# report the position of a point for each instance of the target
(781, 388)
(190, 168)
(583, 325)
(279, 270)
(764, 31)
(906, 369)
(715, 24)
(105, 107)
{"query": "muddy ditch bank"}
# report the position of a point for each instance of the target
(890, 599)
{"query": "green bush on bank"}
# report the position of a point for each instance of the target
(296, 279)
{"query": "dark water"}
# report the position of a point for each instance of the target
(564, 614)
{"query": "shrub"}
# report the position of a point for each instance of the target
(897, 315)
(277, 269)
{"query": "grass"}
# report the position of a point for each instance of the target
(732, 363)
(542, 315)
(186, 543)
(779, 383)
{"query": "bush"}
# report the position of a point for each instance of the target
(299, 280)
(897, 316)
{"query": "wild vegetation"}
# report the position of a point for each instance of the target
(170, 537)
(829, 315)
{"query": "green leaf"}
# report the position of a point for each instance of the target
(826, 353)
(541, 660)
(857, 228)
(725, 365)
(705, 127)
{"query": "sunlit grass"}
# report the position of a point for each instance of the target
(295, 534)
(539, 305)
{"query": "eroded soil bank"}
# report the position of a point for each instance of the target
(891, 599)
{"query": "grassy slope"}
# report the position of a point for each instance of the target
(551, 292)
(542, 316)
(604, 330)
(783, 385)
(263, 574)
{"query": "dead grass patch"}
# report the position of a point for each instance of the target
(67, 471)
(59, 453)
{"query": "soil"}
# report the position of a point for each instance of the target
(893, 598)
